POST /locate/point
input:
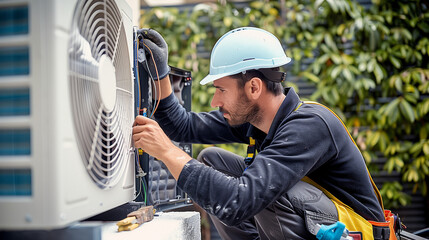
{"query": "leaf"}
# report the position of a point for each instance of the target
(258, 4)
(359, 23)
(366, 156)
(403, 201)
(398, 84)
(411, 97)
(317, 3)
(406, 110)
(412, 175)
(389, 193)
(368, 83)
(333, 5)
(392, 106)
(203, 98)
(403, 51)
(347, 59)
(393, 118)
(426, 148)
(395, 61)
(383, 141)
(340, 29)
(371, 65)
(374, 139)
(362, 66)
(330, 42)
(424, 107)
(424, 26)
(406, 34)
(399, 163)
(348, 75)
(389, 165)
(416, 148)
(310, 76)
(227, 21)
(275, 12)
(378, 72)
(335, 72)
(336, 58)
(423, 133)
(335, 95)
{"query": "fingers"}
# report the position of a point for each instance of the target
(143, 32)
(140, 120)
(143, 128)
(144, 136)
(147, 39)
(140, 136)
(153, 36)
(150, 50)
(157, 38)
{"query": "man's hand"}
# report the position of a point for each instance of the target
(156, 50)
(149, 136)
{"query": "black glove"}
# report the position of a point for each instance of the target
(153, 42)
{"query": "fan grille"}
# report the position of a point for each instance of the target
(102, 104)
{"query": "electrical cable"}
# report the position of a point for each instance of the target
(143, 180)
(157, 94)
(138, 75)
(153, 82)
(138, 194)
(159, 83)
(138, 166)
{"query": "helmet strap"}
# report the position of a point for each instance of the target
(273, 75)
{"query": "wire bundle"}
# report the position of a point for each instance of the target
(144, 110)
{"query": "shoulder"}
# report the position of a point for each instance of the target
(308, 125)
(307, 117)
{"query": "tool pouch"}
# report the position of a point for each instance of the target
(386, 230)
(360, 227)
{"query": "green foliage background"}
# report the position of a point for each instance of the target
(369, 65)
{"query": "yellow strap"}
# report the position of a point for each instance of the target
(299, 105)
(377, 193)
(251, 151)
(251, 141)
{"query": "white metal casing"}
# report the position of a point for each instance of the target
(62, 190)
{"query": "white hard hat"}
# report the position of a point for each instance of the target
(244, 49)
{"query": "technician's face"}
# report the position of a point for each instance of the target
(233, 102)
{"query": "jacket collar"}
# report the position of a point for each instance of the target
(288, 105)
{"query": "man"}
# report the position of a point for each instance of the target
(266, 199)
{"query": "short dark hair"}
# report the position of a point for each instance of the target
(242, 78)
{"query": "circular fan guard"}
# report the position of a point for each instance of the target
(101, 90)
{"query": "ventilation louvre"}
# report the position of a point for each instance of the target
(101, 90)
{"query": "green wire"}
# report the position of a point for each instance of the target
(144, 189)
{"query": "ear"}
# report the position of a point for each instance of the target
(254, 88)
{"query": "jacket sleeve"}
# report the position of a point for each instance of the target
(292, 153)
(191, 127)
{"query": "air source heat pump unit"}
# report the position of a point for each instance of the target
(66, 112)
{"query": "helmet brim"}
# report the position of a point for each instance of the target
(211, 78)
(245, 66)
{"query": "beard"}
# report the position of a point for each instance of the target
(242, 112)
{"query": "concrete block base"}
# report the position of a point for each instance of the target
(165, 226)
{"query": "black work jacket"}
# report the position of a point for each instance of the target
(308, 141)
